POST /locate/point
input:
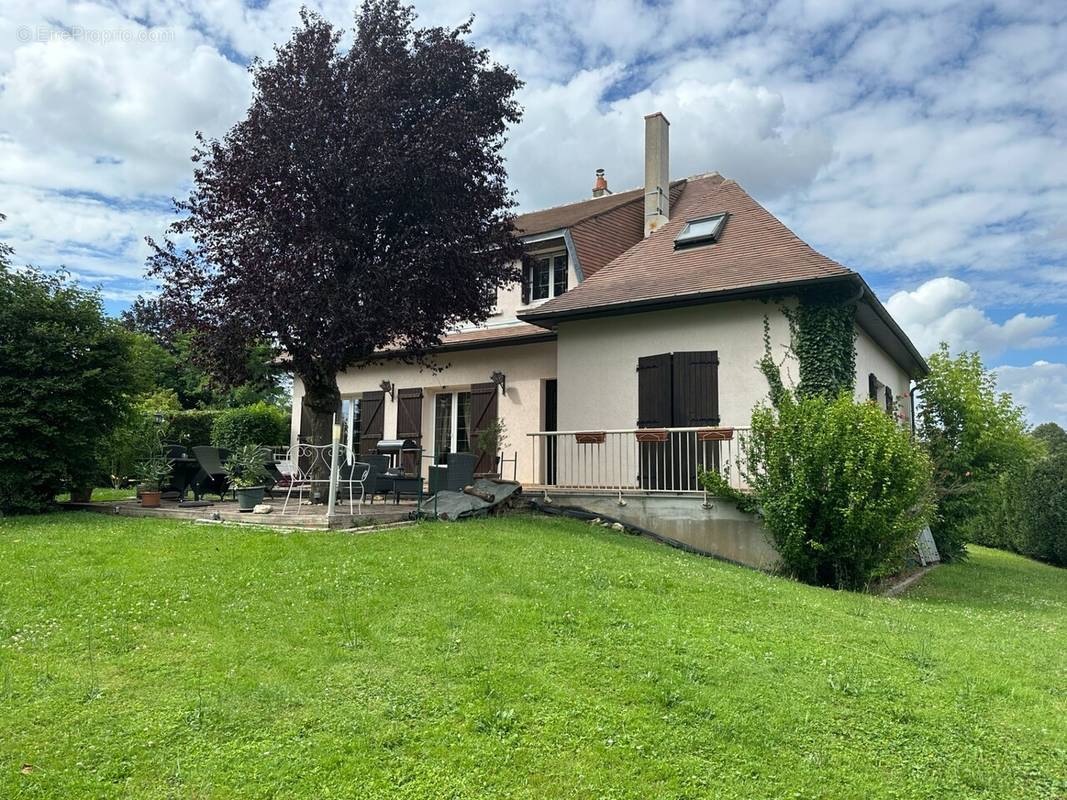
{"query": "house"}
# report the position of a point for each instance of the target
(626, 359)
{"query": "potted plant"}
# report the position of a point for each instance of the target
(151, 473)
(491, 440)
(248, 475)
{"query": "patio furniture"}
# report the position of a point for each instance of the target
(379, 483)
(454, 475)
(309, 459)
(406, 484)
(274, 475)
(212, 476)
(184, 469)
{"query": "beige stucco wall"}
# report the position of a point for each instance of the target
(870, 357)
(526, 367)
(598, 359)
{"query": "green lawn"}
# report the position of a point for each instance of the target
(529, 658)
(104, 493)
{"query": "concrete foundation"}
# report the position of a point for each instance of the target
(719, 530)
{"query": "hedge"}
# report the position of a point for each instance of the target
(191, 428)
(258, 424)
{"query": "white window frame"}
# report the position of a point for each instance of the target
(454, 415)
(551, 253)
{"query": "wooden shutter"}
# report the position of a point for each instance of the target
(872, 387)
(695, 386)
(527, 281)
(653, 411)
(654, 391)
(371, 421)
(409, 424)
(304, 435)
(484, 410)
(888, 400)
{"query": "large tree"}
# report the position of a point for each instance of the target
(361, 204)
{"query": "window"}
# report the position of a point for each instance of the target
(700, 231)
(880, 394)
(350, 425)
(545, 278)
(451, 424)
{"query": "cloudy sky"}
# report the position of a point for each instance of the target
(921, 142)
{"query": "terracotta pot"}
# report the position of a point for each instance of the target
(150, 499)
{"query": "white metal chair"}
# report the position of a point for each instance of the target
(304, 460)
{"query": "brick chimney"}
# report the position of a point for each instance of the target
(600, 188)
(657, 172)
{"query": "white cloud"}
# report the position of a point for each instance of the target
(1040, 387)
(943, 310)
(903, 137)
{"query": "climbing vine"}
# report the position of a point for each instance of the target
(822, 328)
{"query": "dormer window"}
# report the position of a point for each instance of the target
(545, 277)
(700, 231)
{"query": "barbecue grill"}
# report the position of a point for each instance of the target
(395, 449)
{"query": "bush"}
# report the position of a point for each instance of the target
(190, 428)
(1043, 511)
(974, 434)
(843, 489)
(64, 374)
(257, 424)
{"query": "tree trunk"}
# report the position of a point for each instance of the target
(322, 400)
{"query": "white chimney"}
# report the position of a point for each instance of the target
(657, 172)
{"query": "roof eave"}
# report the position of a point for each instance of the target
(890, 337)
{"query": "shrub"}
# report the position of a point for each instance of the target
(64, 373)
(191, 427)
(974, 434)
(257, 424)
(842, 488)
(1043, 511)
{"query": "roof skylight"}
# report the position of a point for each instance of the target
(705, 230)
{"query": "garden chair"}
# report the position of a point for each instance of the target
(455, 474)
(212, 476)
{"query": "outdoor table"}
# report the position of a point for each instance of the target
(404, 485)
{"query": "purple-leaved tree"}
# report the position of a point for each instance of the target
(360, 205)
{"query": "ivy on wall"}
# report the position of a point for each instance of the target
(822, 332)
(822, 327)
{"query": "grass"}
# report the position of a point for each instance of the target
(103, 493)
(528, 658)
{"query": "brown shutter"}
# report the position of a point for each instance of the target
(484, 409)
(872, 387)
(409, 423)
(696, 389)
(371, 421)
(653, 411)
(305, 421)
(654, 391)
(888, 400)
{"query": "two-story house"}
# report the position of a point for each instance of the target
(641, 311)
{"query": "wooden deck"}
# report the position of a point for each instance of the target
(297, 517)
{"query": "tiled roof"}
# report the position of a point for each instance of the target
(504, 333)
(566, 216)
(755, 249)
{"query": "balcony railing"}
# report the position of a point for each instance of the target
(637, 460)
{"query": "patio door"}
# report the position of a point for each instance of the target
(451, 424)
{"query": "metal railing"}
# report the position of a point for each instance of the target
(638, 460)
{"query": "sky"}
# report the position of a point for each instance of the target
(919, 142)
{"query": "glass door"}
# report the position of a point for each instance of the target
(451, 424)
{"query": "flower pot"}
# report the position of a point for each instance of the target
(248, 497)
(150, 499)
